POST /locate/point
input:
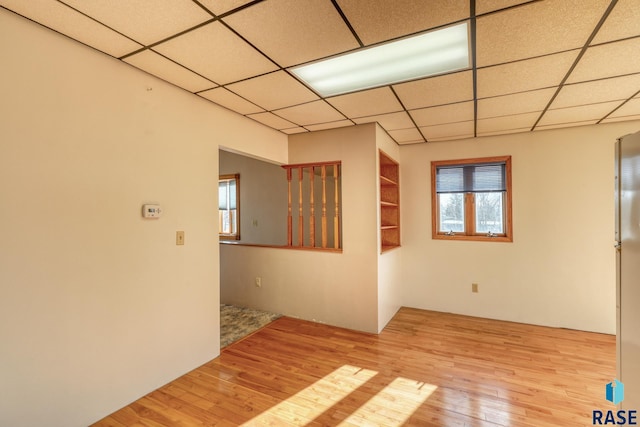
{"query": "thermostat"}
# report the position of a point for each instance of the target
(151, 211)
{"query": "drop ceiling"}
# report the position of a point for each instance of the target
(534, 64)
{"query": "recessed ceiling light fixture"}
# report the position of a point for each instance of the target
(411, 58)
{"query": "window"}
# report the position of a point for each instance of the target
(471, 199)
(229, 207)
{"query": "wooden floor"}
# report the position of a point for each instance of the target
(424, 369)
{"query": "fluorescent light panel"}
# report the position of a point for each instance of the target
(415, 57)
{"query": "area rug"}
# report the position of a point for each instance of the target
(238, 322)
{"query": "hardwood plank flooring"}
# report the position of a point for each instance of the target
(424, 369)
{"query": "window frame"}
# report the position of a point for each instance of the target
(236, 235)
(469, 233)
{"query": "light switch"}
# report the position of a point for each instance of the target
(179, 238)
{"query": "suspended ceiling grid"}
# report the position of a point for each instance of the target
(534, 64)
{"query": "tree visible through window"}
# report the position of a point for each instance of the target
(229, 207)
(471, 199)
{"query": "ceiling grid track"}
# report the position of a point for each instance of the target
(577, 60)
(97, 22)
(529, 67)
(347, 23)
(474, 68)
(619, 106)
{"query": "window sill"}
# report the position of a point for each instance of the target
(299, 248)
(507, 239)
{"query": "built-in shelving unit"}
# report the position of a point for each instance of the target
(389, 203)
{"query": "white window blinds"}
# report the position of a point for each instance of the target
(227, 194)
(472, 178)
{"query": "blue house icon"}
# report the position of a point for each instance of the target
(615, 392)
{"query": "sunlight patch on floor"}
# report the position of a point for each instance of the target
(390, 407)
(393, 405)
(307, 404)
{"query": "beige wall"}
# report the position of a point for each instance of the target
(97, 305)
(338, 289)
(263, 198)
(560, 268)
(390, 262)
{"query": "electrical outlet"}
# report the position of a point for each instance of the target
(474, 287)
(259, 282)
(179, 238)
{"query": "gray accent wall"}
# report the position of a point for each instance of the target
(263, 198)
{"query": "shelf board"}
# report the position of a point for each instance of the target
(387, 181)
(389, 203)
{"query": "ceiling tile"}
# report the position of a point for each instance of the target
(411, 142)
(310, 114)
(517, 103)
(504, 123)
(411, 135)
(524, 50)
(623, 22)
(566, 125)
(504, 132)
(448, 131)
(451, 113)
(331, 125)
(146, 21)
(65, 20)
(367, 103)
(274, 90)
(621, 119)
(216, 53)
(437, 90)
(272, 120)
(581, 113)
(630, 108)
(293, 31)
(608, 60)
(294, 130)
(484, 6)
(522, 76)
(165, 69)
(538, 28)
(222, 96)
(617, 88)
(389, 122)
(222, 6)
(379, 20)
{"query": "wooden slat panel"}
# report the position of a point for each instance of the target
(300, 214)
(424, 369)
(311, 239)
(312, 209)
(324, 205)
(336, 216)
(289, 211)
